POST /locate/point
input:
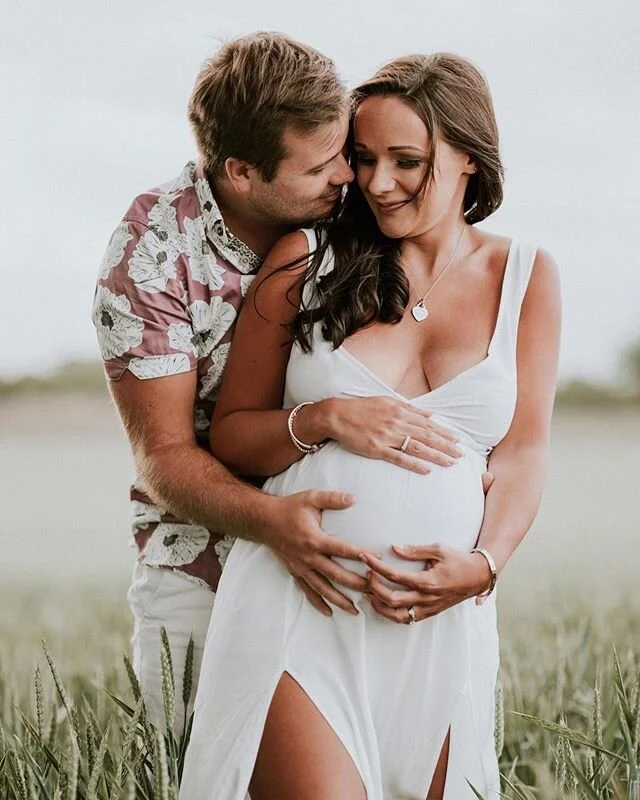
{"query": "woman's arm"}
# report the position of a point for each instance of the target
(518, 464)
(249, 427)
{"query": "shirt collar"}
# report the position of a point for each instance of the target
(228, 245)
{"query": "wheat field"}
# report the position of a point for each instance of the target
(72, 726)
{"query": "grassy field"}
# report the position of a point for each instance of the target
(553, 658)
(569, 598)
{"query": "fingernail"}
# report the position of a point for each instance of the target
(353, 610)
(362, 557)
(349, 498)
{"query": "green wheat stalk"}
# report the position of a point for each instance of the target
(96, 770)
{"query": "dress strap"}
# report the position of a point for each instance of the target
(515, 282)
(312, 239)
(308, 292)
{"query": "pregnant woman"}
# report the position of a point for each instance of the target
(400, 296)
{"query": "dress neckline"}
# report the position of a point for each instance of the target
(344, 352)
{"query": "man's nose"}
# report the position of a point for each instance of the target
(343, 173)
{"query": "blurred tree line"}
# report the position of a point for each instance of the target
(625, 393)
(88, 377)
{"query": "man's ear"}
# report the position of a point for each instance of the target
(240, 174)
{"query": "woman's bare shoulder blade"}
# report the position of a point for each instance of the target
(276, 291)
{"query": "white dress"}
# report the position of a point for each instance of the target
(390, 691)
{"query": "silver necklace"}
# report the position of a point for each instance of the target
(420, 312)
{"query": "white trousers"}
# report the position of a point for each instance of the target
(160, 598)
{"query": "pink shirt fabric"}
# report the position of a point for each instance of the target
(168, 293)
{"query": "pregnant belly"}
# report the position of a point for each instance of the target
(393, 506)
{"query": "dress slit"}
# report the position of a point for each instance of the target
(446, 744)
(348, 746)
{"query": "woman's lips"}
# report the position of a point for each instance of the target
(388, 208)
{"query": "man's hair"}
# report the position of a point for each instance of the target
(254, 88)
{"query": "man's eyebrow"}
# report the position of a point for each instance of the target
(324, 163)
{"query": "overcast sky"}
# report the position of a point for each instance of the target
(93, 112)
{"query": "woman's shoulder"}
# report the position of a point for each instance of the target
(492, 248)
(534, 269)
(291, 250)
(495, 248)
(284, 276)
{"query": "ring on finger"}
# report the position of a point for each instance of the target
(412, 615)
(405, 443)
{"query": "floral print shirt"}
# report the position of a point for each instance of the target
(168, 293)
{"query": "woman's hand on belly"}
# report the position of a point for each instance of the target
(378, 427)
(449, 577)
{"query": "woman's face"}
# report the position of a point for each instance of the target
(392, 149)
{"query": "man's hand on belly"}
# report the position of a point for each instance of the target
(293, 532)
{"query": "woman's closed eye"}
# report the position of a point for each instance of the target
(404, 163)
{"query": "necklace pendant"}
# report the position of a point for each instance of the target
(420, 311)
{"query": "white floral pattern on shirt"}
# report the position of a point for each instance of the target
(153, 263)
(213, 377)
(200, 257)
(180, 337)
(117, 327)
(173, 544)
(159, 366)
(223, 548)
(115, 249)
(169, 289)
(245, 284)
(210, 322)
(145, 514)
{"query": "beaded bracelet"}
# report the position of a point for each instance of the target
(302, 447)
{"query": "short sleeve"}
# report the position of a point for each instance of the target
(140, 308)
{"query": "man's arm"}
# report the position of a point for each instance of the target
(176, 473)
(190, 483)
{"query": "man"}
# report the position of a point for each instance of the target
(270, 120)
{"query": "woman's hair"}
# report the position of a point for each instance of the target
(367, 283)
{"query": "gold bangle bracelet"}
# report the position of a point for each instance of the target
(492, 566)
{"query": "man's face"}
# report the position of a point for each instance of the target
(309, 180)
